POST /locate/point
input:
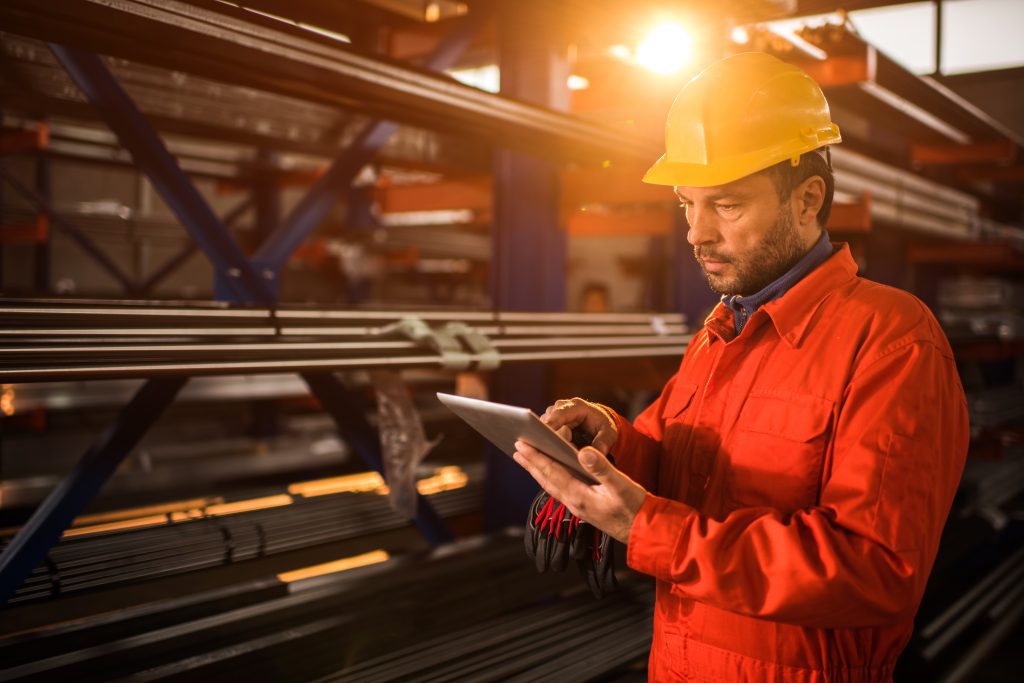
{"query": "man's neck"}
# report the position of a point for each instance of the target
(744, 306)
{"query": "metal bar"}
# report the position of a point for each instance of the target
(235, 50)
(151, 155)
(67, 501)
(94, 308)
(348, 415)
(971, 597)
(232, 618)
(280, 245)
(985, 644)
(185, 254)
(72, 231)
(171, 334)
(143, 370)
(972, 614)
(323, 347)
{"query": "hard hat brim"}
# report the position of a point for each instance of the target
(666, 172)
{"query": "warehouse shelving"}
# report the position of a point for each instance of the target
(260, 104)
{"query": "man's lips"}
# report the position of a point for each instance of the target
(712, 265)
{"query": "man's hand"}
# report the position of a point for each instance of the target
(578, 415)
(610, 505)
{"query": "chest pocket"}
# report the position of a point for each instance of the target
(677, 416)
(776, 453)
(678, 401)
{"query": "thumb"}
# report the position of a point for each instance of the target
(596, 463)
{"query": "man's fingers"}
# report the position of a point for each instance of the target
(596, 463)
(569, 413)
(605, 439)
(576, 412)
(544, 469)
(553, 477)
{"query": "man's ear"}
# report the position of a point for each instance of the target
(808, 197)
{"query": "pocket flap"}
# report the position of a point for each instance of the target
(797, 417)
(679, 400)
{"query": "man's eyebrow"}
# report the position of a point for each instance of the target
(718, 196)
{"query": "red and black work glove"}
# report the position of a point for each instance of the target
(596, 559)
(554, 535)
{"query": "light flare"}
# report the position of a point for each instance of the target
(666, 49)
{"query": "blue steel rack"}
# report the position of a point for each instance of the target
(240, 279)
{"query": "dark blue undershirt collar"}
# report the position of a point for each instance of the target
(744, 306)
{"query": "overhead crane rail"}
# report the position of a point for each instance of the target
(47, 340)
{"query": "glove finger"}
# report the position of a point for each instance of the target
(530, 532)
(559, 555)
(604, 569)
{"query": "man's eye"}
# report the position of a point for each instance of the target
(728, 207)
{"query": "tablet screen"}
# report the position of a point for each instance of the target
(503, 425)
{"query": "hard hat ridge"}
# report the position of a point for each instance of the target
(738, 116)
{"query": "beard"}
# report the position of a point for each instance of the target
(778, 251)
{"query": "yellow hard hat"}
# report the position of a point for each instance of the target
(738, 116)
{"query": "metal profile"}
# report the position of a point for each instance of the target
(214, 45)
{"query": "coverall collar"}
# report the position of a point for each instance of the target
(791, 313)
(743, 307)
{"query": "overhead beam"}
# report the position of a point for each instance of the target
(234, 47)
(1002, 152)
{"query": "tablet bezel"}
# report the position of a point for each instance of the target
(503, 425)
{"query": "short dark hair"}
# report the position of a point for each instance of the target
(786, 177)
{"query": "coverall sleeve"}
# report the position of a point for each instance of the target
(863, 554)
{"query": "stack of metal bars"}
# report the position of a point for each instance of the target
(42, 341)
(188, 540)
(404, 619)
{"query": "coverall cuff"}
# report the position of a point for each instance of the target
(654, 538)
(629, 441)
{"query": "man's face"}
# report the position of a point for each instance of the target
(743, 236)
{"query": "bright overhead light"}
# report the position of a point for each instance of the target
(666, 50)
(577, 82)
(740, 36)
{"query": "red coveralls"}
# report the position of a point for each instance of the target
(801, 473)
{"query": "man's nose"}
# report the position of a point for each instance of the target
(702, 228)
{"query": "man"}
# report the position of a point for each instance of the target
(789, 487)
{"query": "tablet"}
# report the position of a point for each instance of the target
(503, 425)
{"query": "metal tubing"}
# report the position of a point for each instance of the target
(844, 159)
(278, 248)
(347, 413)
(151, 155)
(71, 230)
(217, 309)
(122, 370)
(285, 348)
(231, 49)
(67, 501)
